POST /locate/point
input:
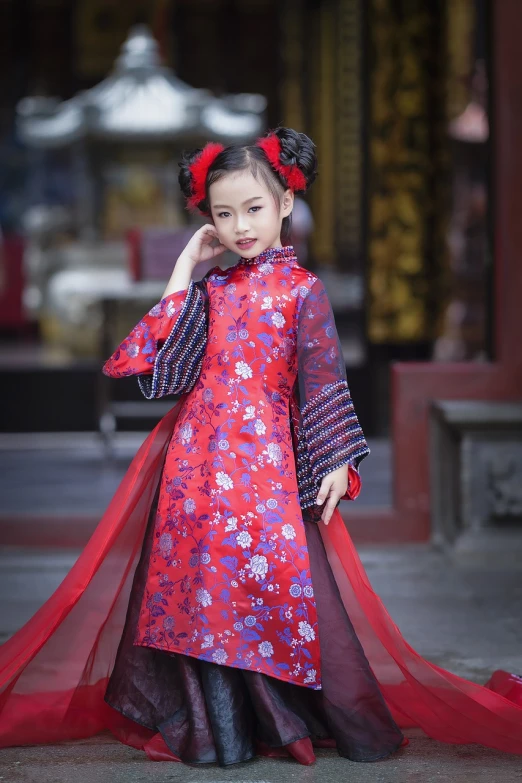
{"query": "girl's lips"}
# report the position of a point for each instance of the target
(246, 243)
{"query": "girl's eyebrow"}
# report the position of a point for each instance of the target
(225, 206)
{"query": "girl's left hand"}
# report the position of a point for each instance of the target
(333, 487)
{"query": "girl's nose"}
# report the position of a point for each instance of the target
(241, 224)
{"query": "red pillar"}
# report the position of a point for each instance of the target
(415, 385)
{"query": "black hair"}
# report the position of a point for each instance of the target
(296, 150)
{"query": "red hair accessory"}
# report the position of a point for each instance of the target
(199, 170)
(293, 176)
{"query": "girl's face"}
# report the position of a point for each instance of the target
(245, 213)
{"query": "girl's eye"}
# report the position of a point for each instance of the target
(222, 214)
(254, 208)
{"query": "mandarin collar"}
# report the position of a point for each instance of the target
(272, 255)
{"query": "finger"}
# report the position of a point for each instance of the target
(208, 236)
(217, 250)
(329, 509)
(209, 228)
(324, 489)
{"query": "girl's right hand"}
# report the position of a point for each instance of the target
(200, 247)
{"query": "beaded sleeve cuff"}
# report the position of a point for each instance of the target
(178, 362)
(330, 436)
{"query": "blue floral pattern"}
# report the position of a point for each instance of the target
(229, 576)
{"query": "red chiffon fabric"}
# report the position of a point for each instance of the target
(54, 671)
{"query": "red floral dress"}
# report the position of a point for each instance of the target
(229, 575)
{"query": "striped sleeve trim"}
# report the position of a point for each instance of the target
(330, 436)
(178, 362)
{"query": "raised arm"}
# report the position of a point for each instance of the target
(330, 434)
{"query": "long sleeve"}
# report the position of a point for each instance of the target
(329, 434)
(165, 349)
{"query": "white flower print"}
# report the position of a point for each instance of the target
(185, 432)
(243, 334)
(250, 620)
(265, 649)
(288, 532)
(271, 503)
(132, 350)
(243, 370)
(295, 590)
(311, 675)
(231, 524)
(250, 412)
(238, 626)
(244, 539)
(260, 427)
(203, 597)
(308, 590)
(189, 506)
(208, 641)
(275, 455)
(224, 480)
(266, 304)
(278, 320)
(260, 508)
(170, 308)
(258, 565)
(219, 656)
(306, 630)
(266, 268)
(223, 444)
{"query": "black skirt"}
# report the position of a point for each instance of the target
(207, 712)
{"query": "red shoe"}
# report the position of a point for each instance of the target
(404, 742)
(507, 684)
(157, 750)
(302, 750)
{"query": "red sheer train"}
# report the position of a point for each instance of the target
(55, 670)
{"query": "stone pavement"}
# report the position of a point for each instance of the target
(463, 618)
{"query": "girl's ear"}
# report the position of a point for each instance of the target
(287, 203)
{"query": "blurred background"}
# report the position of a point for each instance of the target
(413, 225)
(99, 98)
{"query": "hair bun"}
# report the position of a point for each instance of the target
(186, 182)
(297, 149)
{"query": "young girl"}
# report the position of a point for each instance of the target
(219, 610)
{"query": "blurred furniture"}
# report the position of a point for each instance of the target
(476, 477)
